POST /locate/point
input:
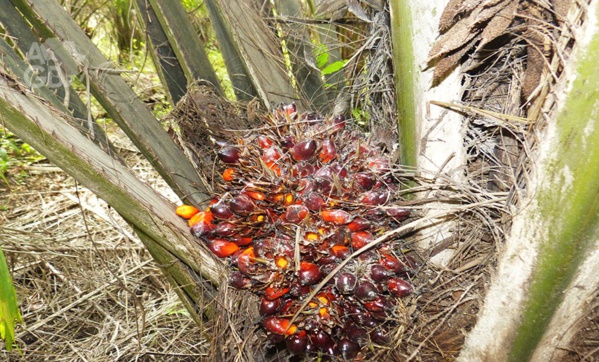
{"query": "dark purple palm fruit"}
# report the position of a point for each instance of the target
(346, 283)
(229, 155)
(241, 205)
(366, 291)
(348, 348)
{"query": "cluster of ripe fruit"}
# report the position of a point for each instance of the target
(297, 198)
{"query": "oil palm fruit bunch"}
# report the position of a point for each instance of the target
(295, 199)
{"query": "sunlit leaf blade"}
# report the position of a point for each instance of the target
(9, 310)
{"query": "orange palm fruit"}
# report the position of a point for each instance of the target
(186, 211)
(255, 195)
(204, 216)
(222, 248)
(229, 174)
(337, 217)
(272, 293)
(278, 325)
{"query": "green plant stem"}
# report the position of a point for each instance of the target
(405, 79)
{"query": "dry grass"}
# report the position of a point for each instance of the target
(86, 287)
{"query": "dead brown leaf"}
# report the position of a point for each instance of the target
(498, 24)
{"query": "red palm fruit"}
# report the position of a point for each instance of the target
(360, 316)
(365, 180)
(280, 326)
(378, 164)
(393, 264)
(314, 202)
(272, 293)
(229, 154)
(360, 238)
(304, 150)
(329, 259)
(337, 217)
(379, 273)
(353, 332)
(290, 109)
(186, 211)
(269, 307)
(346, 283)
(297, 343)
(327, 152)
(263, 248)
(338, 123)
(309, 273)
(264, 142)
(380, 304)
(255, 195)
(340, 236)
(221, 211)
(339, 171)
(364, 149)
(297, 290)
(284, 247)
(225, 229)
(241, 205)
(324, 172)
(310, 348)
(296, 213)
(271, 156)
(323, 185)
(375, 198)
(222, 248)
(201, 228)
(241, 241)
(305, 186)
(246, 261)
(288, 142)
(366, 291)
(340, 251)
(275, 338)
(399, 287)
(229, 174)
(302, 169)
(328, 269)
(358, 224)
(239, 281)
(348, 348)
(288, 307)
(398, 214)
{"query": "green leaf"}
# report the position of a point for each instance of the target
(3, 154)
(334, 67)
(322, 55)
(9, 310)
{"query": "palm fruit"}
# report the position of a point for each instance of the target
(310, 188)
